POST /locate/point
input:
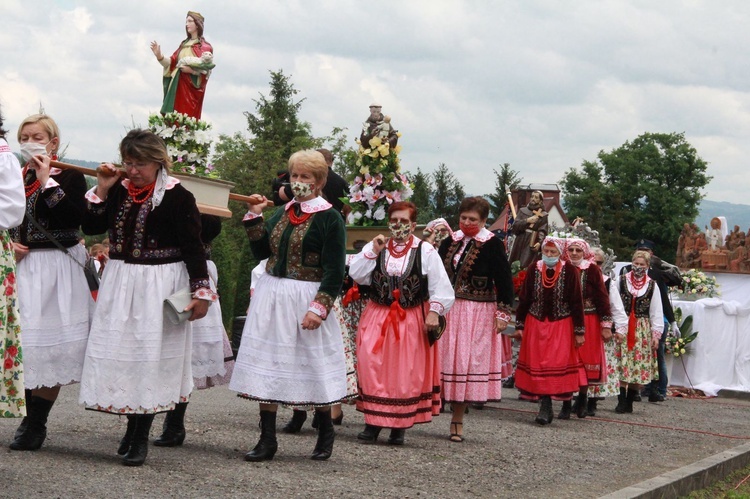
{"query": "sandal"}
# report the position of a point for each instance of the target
(455, 436)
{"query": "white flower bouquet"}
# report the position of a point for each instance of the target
(697, 284)
(379, 184)
(188, 142)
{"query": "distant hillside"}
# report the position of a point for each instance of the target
(736, 214)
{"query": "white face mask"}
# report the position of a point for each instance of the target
(31, 149)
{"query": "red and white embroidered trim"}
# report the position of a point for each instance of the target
(503, 316)
(205, 294)
(318, 309)
(91, 197)
(250, 216)
(437, 307)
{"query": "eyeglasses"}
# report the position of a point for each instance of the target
(599, 263)
(137, 166)
(575, 250)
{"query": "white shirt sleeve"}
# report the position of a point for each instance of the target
(12, 197)
(441, 291)
(619, 316)
(362, 265)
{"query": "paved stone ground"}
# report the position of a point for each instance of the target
(505, 454)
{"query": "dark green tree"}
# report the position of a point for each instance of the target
(447, 195)
(647, 188)
(506, 180)
(422, 196)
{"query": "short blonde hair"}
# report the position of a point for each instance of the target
(311, 160)
(642, 254)
(47, 123)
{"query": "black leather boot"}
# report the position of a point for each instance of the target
(579, 407)
(397, 436)
(295, 424)
(128, 438)
(25, 421)
(591, 407)
(326, 435)
(565, 411)
(545, 411)
(32, 437)
(370, 433)
(621, 402)
(267, 445)
(138, 451)
(632, 393)
(173, 431)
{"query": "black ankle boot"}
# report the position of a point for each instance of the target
(295, 424)
(621, 402)
(397, 436)
(173, 431)
(33, 435)
(370, 433)
(579, 407)
(565, 411)
(326, 435)
(591, 407)
(267, 445)
(25, 421)
(630, 398)
(138, 451)
(128, 438)
(545, 411)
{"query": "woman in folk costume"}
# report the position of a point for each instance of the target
(598, 322)
(637, 296)
(550, 323)
(53, 295)
(12, 204)
(186, 72)
(137, 362)
(291, 351)
(471, 348)
(611, 385)
(397, 368)
(212, 360)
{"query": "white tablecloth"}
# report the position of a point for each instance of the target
(720, 355)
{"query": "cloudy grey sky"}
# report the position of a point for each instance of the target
(541, 85)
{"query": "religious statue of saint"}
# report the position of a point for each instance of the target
(186, 73)
(378, 125)
(530, 229)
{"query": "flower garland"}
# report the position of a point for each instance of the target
(696, 283)
(188, 142)
(379, 184)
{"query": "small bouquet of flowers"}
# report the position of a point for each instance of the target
(696, 283)
(203, 64)
(519, 277)
(678, 346)
(188, 142)
(379, 184)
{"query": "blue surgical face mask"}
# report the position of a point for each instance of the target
(550, 261)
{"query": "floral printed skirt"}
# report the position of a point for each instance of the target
(611, 385)
(638, 366)
(12, 401)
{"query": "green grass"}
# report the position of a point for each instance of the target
(732, 487)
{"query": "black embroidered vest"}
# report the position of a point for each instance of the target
(412, 284)
(642, 303)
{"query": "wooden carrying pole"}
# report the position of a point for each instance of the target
(88, 171)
